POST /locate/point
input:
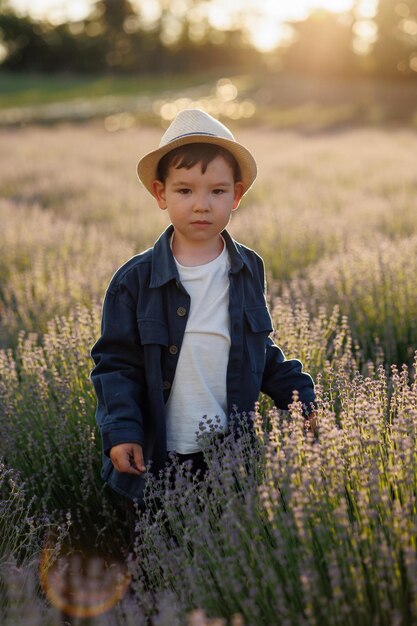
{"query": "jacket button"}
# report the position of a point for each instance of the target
(173, 349)
(166, 384)
(181, 311)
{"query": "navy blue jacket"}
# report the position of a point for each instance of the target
(145, 312)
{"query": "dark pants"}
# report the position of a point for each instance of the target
(198, 463)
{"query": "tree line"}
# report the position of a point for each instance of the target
(117, 37)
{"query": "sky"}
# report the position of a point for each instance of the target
(265, 17)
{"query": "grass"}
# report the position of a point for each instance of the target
(24, 89)
(276, 99)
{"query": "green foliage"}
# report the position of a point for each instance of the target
(23, 89)
(394, 51)
(119, 37)
(116, 38)
(23, 40)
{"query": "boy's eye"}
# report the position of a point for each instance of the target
(218, 192)
(184, 190)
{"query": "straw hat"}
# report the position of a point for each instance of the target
(195, 126)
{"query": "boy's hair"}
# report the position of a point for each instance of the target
(190, 154)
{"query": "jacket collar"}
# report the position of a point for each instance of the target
(163, 263)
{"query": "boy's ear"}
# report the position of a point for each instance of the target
(239, 191)
(158, 188)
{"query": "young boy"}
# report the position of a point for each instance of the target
(185, 329)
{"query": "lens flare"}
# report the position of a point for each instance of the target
(79, 584)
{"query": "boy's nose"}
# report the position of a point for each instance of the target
(202, 203)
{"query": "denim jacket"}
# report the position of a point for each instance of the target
(145, 312)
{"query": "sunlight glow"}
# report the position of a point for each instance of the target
(54, 10)
(263, 19)
(366, 9)
(3, 52)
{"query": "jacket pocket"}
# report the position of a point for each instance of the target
(259, 326)
(152, 332)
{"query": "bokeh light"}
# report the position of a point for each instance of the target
(81, 585)
(222, 102)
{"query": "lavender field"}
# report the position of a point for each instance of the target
(296, 531)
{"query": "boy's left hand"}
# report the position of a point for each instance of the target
(128, 458)
(312, 423)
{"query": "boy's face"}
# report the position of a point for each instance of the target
(199, 205)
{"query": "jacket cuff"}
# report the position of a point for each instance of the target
(114, 434)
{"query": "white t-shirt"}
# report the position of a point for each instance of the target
(199, 386)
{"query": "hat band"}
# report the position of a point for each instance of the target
(195, 134)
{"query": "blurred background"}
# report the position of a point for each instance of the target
(308, 63)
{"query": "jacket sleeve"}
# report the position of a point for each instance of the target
(282, 377)
(118, 375)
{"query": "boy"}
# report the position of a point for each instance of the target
(185, 329)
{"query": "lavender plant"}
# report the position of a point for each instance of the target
(319, 341)
(18, 533)
(286, 528)
(73, 210)
(22, 533)
(24, 605)
(49, 270)
(291, 529)
(48, 431)
(376, 289)
(23, 602)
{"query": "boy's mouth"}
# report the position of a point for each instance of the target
(201, 222)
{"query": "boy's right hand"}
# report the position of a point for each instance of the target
(128, 458)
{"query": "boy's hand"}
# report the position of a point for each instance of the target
(128, 458)
(312, 423)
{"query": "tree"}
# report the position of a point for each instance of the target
(116, 38)
(395, 50)
(23, 40)
(322, 45)
(111, 27)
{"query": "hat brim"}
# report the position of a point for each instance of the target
(147, 166)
